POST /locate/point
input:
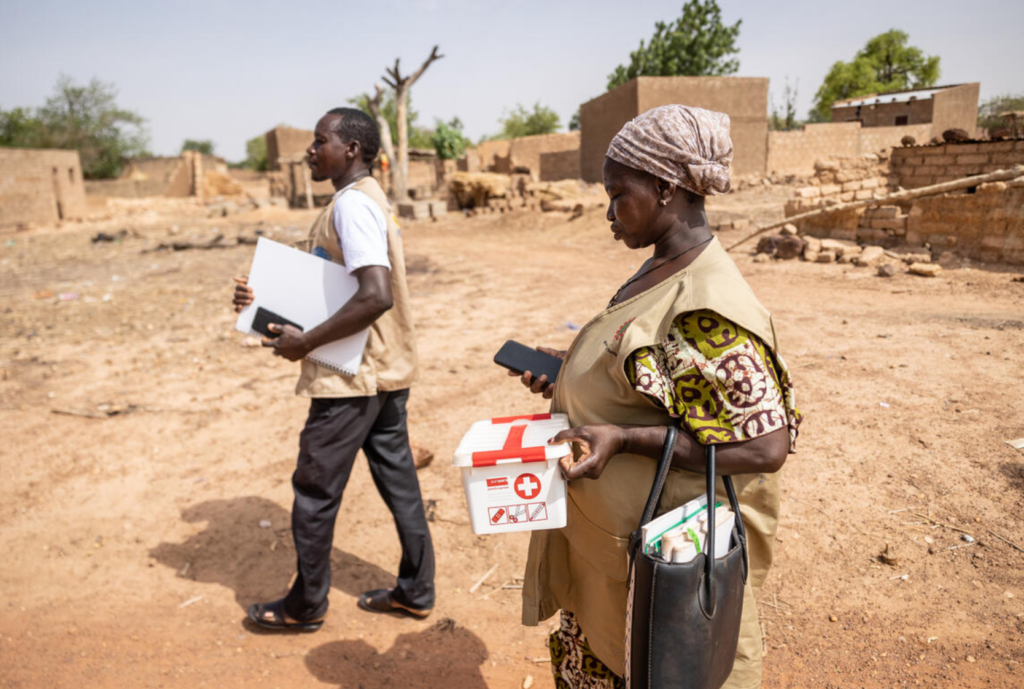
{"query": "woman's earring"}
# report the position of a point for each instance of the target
(662, 202)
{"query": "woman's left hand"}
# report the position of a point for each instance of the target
(598, 444)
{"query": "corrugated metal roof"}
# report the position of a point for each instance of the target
(901, 97)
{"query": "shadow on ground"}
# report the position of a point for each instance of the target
(256, 563)
(441, 657)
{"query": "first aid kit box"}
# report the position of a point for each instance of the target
(511, 475)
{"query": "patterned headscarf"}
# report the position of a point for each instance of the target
(689, 147)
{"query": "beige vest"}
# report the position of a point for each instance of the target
(583, 567)
(389, 361)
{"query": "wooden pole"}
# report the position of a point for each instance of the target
(905, 195)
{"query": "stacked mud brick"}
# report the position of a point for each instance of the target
(885, 226)
(921, 166)
(836, 181)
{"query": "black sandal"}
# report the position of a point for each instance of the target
(257, 613)
(383, 600)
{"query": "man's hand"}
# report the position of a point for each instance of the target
(243, 293)
(598, 444)
(290, 344)
(540, 386)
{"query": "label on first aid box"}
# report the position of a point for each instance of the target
(507, 500)
(521, 498)
(511, 474)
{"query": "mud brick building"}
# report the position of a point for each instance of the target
(545, 157)
(744, 99)
(943, 107)
(39, 186)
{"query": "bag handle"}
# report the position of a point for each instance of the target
(707, 593)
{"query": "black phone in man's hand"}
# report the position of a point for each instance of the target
(264, 317)
(520, 358)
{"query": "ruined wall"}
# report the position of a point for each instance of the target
(527, 152)
(600, 120)
(986, 226)
(125, 188)
(40, 186)
(286, 142)
(921, 166)
(493, 156)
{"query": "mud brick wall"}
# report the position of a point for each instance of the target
(744, 99)
(795, 152)
(560, 165)
(527, 152)
(921, 166)
(286, 142)
(40, 186)
(987, 225)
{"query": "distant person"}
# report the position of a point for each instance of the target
(346, 413)
(683, 342)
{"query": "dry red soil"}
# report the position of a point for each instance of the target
(131, 544)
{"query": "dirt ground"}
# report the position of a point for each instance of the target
(131, 542)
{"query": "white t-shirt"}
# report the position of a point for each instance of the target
(362, 230)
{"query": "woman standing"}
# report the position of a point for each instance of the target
(686, 342)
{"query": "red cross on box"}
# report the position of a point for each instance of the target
(527, 486)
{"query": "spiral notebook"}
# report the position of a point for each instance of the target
(308, 290)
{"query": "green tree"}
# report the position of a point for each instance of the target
(697, 44)
(522, 122)
(988, 112)
(20, 128)
(574, 122)
(204, 146)
(886, 63)
(87, 118)
(448, 139)
(256, 154)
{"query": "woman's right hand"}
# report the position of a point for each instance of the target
(243, 293)
(540, 385)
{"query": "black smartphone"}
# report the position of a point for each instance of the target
(264, 317)
(520, 358)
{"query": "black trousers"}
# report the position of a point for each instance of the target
(335, 431)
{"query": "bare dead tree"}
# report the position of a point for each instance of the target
(386, 143)
(401, 85)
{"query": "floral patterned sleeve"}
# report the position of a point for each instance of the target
(720, 380)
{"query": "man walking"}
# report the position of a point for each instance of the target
(358, 231)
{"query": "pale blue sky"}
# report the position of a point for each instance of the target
(229, 70)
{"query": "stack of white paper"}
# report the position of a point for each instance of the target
(307, 290)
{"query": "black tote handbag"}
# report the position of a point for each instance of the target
(683, 619)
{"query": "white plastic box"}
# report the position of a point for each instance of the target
(511, 475)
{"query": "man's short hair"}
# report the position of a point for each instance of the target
(356, 125)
